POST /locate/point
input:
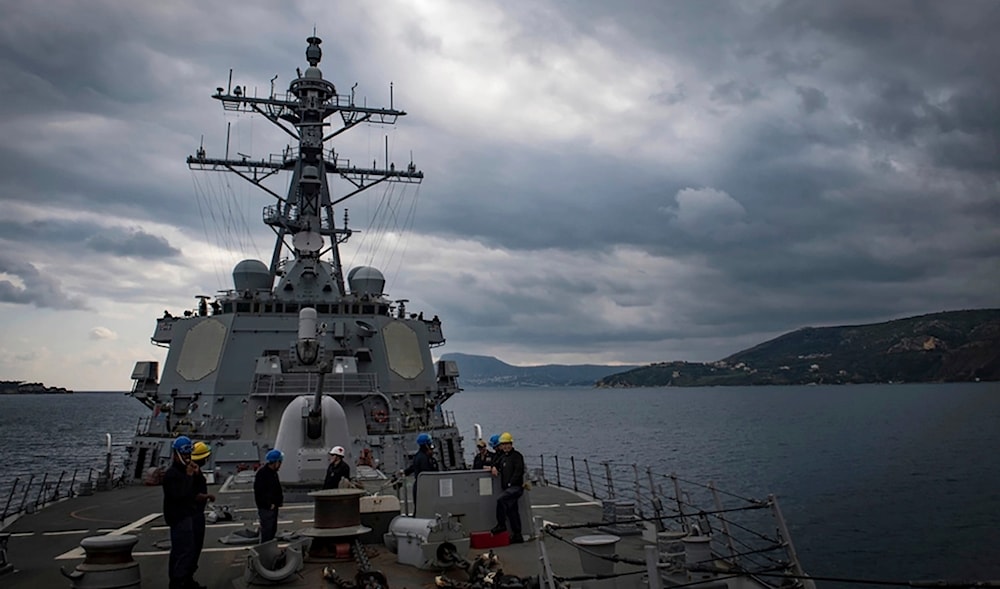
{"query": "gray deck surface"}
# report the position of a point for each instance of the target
(43, 542)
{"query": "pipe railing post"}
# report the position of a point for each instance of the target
(55, 494)
(548, 580)
(680, 504)
(611, 484)
(786, 538)
(41, 490)
(655, 501)
(572, 464)
(24, 497)
(590, 478)
(10, 496)
(638, 491)
(558, 478)
(652, 569)
(725, 524)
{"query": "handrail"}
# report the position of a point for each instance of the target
(31, 492)
(749, 533)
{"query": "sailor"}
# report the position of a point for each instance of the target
(423, 461)
(484, 458)
(199, 455)
(509, 468)
(268, 495)
(179, 506)
(337, 470)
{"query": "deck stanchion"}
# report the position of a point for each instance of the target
(655, 502)
(55, 494)
(680, 504)
(652, 570)
(548, 580)
(611, 484)
(572, 465)
(590, 478)
(725, 524)
(558, 478)
(10, 496)
(786, 538)
(41, 490)
(638, 491)
(24, 497)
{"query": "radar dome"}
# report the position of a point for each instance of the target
(365, 280)
(251, 275)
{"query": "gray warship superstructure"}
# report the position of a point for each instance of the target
(299, 355)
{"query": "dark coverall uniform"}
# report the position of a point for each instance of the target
(510, 469)
(483, 460)
(268, 496)
(200, 487)
(422, 462)
(178, 511)
(335, 473)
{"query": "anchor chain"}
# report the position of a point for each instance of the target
(366, 577)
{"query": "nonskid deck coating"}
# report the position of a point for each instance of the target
(43, 542)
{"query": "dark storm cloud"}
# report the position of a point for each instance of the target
(74, 235)
(813, 99)
(40, 290)
(735, 92)
(132, 242)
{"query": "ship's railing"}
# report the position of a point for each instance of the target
(748, 533)
(30, 492)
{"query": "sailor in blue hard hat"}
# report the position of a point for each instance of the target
(423, 461)
(268, 495)
(179, 506)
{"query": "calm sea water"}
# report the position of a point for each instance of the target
(885, 482)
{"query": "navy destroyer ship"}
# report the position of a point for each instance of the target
(301, 354)
(313, 359)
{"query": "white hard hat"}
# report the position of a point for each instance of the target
(337, 451)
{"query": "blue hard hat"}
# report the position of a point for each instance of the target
(424, 440)
(274, 456)
(494, 440)
(182, 445)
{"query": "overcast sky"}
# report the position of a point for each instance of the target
(606, 182)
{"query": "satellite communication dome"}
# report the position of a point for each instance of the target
(365, 280)
(251, 275)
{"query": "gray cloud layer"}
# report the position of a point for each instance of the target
(759, 165)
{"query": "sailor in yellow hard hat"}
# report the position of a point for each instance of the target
(199, 455)
(508, 466)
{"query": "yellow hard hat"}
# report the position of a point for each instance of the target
(506, 438)
(200, 451)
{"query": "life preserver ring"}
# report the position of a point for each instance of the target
(380, 415)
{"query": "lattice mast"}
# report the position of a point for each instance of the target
(306, 213)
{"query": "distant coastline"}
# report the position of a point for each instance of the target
(20, 387)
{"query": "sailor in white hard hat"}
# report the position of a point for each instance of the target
(338, 470)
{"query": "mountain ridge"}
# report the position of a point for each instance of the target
(949, 346)
(478, 370)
